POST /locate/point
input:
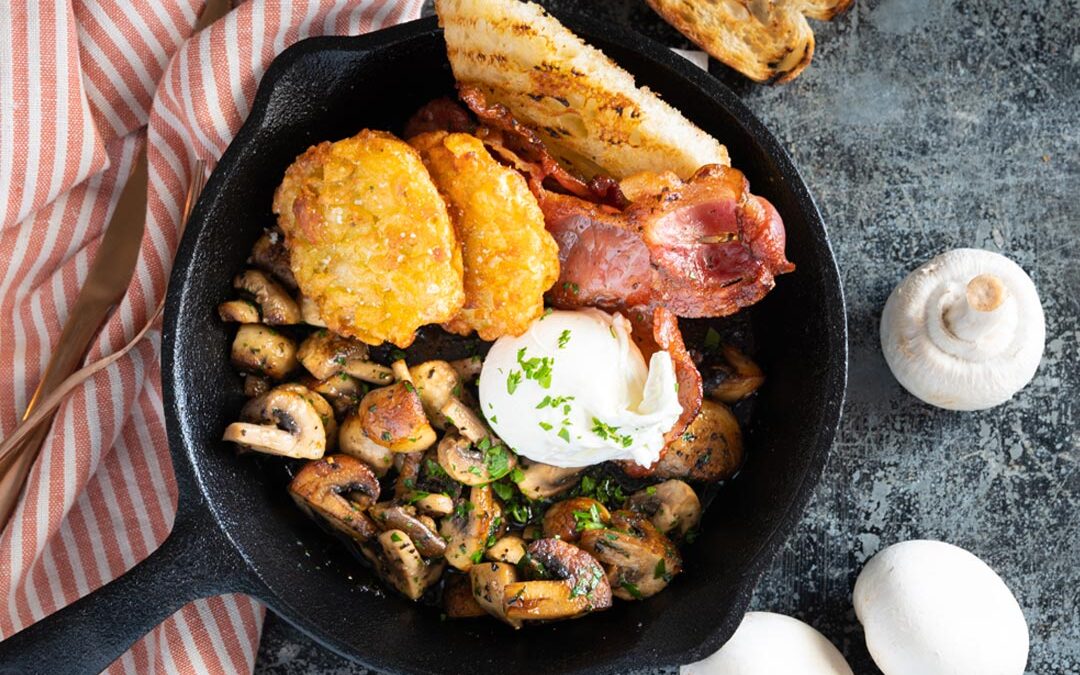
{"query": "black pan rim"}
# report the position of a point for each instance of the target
(186, 466)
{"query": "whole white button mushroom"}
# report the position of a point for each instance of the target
(771, 644)
(965, 331)
(931, 608)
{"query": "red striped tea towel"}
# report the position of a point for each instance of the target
(83, 84)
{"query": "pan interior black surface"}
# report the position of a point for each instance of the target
(329, 88)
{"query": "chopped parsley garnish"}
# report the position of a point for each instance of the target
(607, 432)
(632, 590)
(397, 355)
(409, 387)
(477, 556)
(661, 571)
(496, 460)
(394, 537)
(712, 340)
(512, 381)
(385, 436)
(589, 519)
(587, 582)
(571, 286)
(564, 434)
(537, 368)
(555, 402)
(605, 490)
(564, 337)
(504, 491)
(545, 426)
(517, 475)
(651, 490)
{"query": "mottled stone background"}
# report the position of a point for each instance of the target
(924, 125)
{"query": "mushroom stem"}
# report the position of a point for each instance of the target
(977, 314)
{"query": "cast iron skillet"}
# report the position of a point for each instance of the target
(236, 529)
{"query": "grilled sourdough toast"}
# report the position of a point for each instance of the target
(766, 40)
(587, 110)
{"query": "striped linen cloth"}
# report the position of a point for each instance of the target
(83, 85)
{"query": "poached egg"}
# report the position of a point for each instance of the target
(574, 390)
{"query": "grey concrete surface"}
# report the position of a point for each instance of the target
(924, 125)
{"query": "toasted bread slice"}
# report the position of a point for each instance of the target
(587, 110)
(766, 40)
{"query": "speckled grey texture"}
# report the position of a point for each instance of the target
(924, 125)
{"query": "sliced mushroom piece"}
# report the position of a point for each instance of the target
(465, 420)
(710, 449)
(468, 369)
(394, 417)
(255, 385)
(642, 560)
(271, 255)
(261, 350)
(275, 304)
(326, 412)
(401, 566)
(408, 467)
(354, 442)
(325, 353)
(735, 378)
(541, 481)
(458, 599)
(672, 506)
(572, 583)
(468, 529)
(437, 505)
(474, 464)
(400, 369)
(320, 489)
(509, 549)
(436, 382)
(566, 520)
(396, 517)
(309, 312)
(238, 311)
(489, 583)
(369, 371)
(342, 391)
(280, 422)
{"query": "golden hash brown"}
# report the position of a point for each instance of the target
(370, 240)
(510, 259)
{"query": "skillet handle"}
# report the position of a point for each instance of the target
(195, 561)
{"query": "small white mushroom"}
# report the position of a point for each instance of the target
(282, 422)
(766, 644)
(965, 331)
(931, 607)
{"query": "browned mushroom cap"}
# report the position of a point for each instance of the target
(474, 522)
(709, 450)
(261, 350)
(471, 464)
(733, 379)
(541, 481)
(320, 488)
(584, 586)
(642, 559)
(510, 549)
(281, 422)
(672, 506)
(239, 311)
(275, 304)
(396, 517)
(436, 382)
(271, 255)
(398, 562)
(567, 519)
(458, 599)
(354, 442)
(489, 582)
(324, 353)
(393, 417)
(255, 385)
(342, 391)
(326, 412)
